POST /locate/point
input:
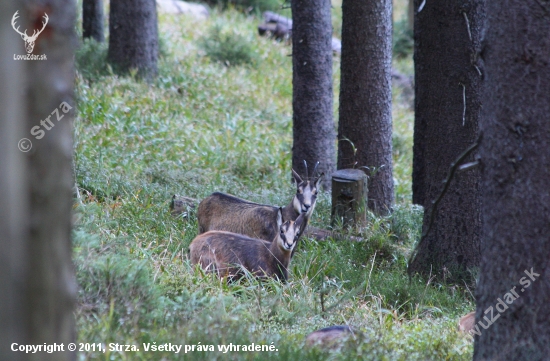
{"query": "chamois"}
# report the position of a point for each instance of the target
(227, 253)
(224, 212)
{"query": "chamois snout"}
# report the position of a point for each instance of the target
(227, 253)
(290, 232)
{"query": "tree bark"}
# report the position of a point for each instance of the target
(410, 15)
(92, 20)
(38, 284)
(133, 36)
(515, 174)
(365, 124)
(447, 109)
(313, 124)
(13, 195)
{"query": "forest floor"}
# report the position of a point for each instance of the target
(205, 126)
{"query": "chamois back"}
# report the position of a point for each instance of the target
(228, 253)
(224, 212)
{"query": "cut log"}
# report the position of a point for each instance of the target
(271, 17)
(324, 234)
(180, 206)
(277, 31)
(329, 337)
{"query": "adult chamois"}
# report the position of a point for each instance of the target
(224, 212)
(228, 253)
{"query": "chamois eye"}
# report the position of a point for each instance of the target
(300, 191)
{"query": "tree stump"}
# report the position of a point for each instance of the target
(349, 197)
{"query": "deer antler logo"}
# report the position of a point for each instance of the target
(29, 40)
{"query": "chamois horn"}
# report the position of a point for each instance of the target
(315, 168)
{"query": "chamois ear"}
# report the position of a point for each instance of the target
(279, 217)
(297, 178)
(318, 180)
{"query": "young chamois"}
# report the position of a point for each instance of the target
(228, 253)
(224, 212)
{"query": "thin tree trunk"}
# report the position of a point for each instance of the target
(365, 125)
(410, 15)
(313, 124)
(38, 184)
(515, 178)
(92, 20)
(133, 36)
(447, 109)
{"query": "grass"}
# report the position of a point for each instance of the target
(204, 126)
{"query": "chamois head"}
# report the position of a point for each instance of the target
(289, 231)
(306, 193)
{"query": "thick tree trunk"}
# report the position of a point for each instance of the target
(515, 177)
(38, 282)
(13, 195)
(92, 20)
(51, 284)
(365, 125)
(133, 36)
(447, 108)
(313, 124)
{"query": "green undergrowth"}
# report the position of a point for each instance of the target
(203, 126)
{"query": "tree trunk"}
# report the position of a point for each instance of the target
(13, 195)
(410, 15)
(37, 283)
(133, 36)
(313, 124)
(515, 177)
(365, 125)
(447, 109)
(92, 20)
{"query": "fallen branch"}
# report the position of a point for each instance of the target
(180, 206)
(323, 234)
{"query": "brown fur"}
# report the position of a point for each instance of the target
(224, 212)
(227, 253)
